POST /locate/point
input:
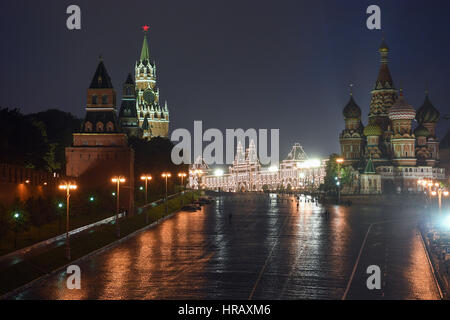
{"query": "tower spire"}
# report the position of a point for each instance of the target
(384, 79)
(145, 56)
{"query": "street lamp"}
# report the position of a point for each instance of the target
(17, 221)
(67, 186)
(118, 180)
(439, 192)
(338, 183)
(182, 175)
(146, 178)
(166, 175)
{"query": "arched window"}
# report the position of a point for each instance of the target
(109, 126)
(104, 99)
(88, 126)
(94, 99)
(99, 126)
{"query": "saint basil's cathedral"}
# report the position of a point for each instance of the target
(389, 155)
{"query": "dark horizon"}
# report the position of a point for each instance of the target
(281, 65)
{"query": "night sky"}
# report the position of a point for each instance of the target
(233, 64)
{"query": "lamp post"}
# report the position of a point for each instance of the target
(198, 174)
(166, 175)
(67, 186)
(146, 178)
(339, 161)
(439, 191)
(118, 180)
(182, 175)
(426, 185)
(16, 217)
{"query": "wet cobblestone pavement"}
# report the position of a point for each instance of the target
(269, 248)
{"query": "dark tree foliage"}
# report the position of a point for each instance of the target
(154, 157)
(330, 174)
(36, 140)
(40, 211)
(21, 140)
(59, 127)
(21, 222)
(4, 222)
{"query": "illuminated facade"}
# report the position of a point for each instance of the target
(100, 150)
(400, 155)
(296, 172)
(141, 113)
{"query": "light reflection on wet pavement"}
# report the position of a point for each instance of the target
(268, 249)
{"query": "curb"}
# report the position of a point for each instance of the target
(430, 263)
(14, 292)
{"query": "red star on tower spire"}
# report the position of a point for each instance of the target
(145, 28)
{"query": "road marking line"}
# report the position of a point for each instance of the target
(356, 263)
(362, 247)
(268, 259)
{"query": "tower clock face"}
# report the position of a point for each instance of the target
(149, 96)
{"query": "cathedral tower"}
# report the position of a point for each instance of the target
(403, 140)
(351, 139)
(383, 97)
(427, 117)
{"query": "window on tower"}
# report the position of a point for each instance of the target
(109, 126)
(99, 126)
(88, 126)
(104, 99)
(94, 100)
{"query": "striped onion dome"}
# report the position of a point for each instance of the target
(401, 110)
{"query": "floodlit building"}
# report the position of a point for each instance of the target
(399, 153)
(296, 172)
(100, 150)
(141, 113)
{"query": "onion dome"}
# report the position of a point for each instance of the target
(401, 110)
(372, 129)
(421, 131)
(427, 112)
(383, 46)
(351, 110)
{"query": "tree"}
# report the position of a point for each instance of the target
(59, 126)
(21, 140)
(154, 157)
(18, 219)
(330, 174)
(36, 140)
(4, 223)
